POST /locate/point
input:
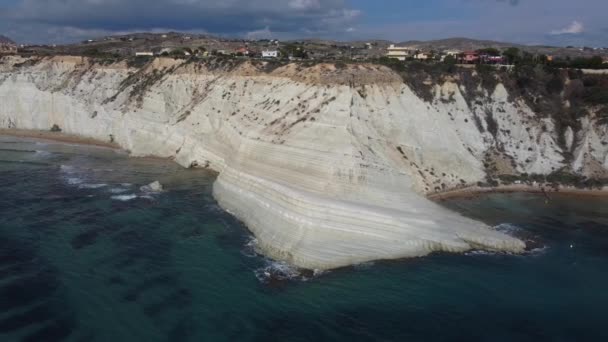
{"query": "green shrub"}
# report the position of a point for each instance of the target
(139, 62)
(487, 74)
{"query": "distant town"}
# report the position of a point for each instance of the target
(452, 51)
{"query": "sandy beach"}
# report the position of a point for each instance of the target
(546, 189)
(56, 136)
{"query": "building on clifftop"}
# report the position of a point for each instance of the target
(400, 53)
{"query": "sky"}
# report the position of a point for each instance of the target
(538, 22)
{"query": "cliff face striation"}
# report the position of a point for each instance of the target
(327, 165)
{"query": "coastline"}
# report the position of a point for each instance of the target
(546, 189)
(57, 136)
(466, 192)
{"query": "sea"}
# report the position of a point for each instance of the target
(87, 255)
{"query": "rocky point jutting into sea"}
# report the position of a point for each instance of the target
(327, 164)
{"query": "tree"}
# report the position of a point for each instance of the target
(512, 55)
(543, 59)
(449, 59)
(299, 53)
(527, 58)
(596, 62)
(489, 52)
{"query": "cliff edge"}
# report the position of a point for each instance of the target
(326, 164)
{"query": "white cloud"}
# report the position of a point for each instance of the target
(227, 17)
(305, 4)
(575, 27)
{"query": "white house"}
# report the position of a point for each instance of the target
(398, 52)
(270, 54)
(422, 56)
(144, 54)
(452, 52)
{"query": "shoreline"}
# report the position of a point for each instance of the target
(57, 137)
(73, 139)
(467, 192)
(547, 190)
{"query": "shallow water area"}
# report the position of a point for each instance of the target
(85, 255)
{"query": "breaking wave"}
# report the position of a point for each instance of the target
(124, 198)
(250, 249)
(74, 180)
(92, 186)
(277, 271)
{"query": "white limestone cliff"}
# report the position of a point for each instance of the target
(326, 167)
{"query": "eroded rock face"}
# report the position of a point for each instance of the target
(324, 174)
(152, 187)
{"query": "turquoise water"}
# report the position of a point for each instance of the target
(86, 256)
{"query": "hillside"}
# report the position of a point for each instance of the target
(462, 44)
(128, 45)
(468, 44)
(5, 40)
(7, 46)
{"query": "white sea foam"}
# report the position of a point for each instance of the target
(74, 180)
(280, 271)
(508, 228)
(277, 271)
(66, 168)
(69, 176)
(124, 198)
(117, 190)
(482, 253)
(537, 251)
(533, 242)
(92, 186)
(250, 248)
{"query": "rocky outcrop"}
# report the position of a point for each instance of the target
(327, 166)
(152, 187)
